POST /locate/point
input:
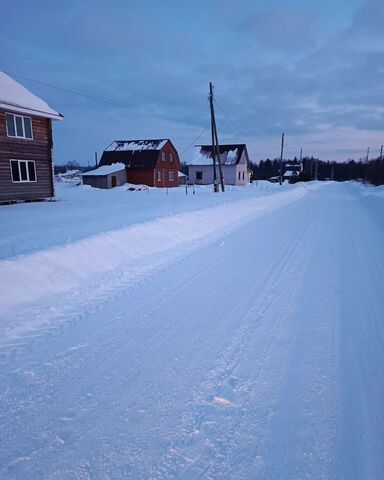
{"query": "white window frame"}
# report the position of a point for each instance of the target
(170, 157)
(14, 115)
(163, 156)
(158, 175)
(171, 176)
(18, 164)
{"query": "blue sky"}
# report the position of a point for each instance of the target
(314, 70)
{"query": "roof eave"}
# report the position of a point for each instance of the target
(30, 111)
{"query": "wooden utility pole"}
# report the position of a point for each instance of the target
(96, 159)
(366, 166)
(215, 145)
(381, 152)
(281, 159)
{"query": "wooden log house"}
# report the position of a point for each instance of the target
(26, 164)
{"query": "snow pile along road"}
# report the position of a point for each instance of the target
(58, 270)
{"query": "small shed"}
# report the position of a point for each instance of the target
(182, 178)
(107, 176)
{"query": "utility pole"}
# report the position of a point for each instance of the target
(366, 166)
(281, 159)
(215, 184)
(301, 160)
(215, 145)
(96, 159)
(381, 152)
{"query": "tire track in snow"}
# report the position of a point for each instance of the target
(19, 332)
(201, 450)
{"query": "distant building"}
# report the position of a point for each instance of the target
(182, 178)
(107, 176)
(148, 162)
(234, 163)
(69, 175)
(292, 171)
(26, 164)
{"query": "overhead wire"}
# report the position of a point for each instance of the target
(107, 101)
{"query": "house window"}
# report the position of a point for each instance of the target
(243, 175)
(23, 171)
(170, 157)
(19, 126)
(158, 175)
(171, 176)
(163, 156)
(199, 175)
(239, 175)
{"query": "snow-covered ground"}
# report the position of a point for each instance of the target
(206, 336)
(81, 211)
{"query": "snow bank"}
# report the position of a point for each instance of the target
(28, 279)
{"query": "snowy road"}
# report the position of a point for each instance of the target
(258, 355)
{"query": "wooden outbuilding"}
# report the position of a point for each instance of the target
(26, 164)
(154, 163)
(106, 176)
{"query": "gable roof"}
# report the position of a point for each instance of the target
(230, 154)
(133, 153)
(105, 170)
(16, 98)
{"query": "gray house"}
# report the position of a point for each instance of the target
(107, 176)
(234, 162)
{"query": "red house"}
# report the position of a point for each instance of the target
(26, 169)
(149, 162)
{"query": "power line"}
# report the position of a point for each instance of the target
(93, 97)
(195, 140)
(240, 127)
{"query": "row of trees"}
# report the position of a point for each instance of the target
(313, 168)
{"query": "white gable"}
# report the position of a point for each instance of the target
(16, 98)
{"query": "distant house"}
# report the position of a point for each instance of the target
(182, 178)
(69, 175)
(148, 162)
(292, 171)
(26, 165)
(106, 176)
(234, 163)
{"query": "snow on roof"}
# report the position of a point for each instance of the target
(69, 173)
(181, 174)
(290, 173)
(229, 155)
(136, 145)
(105, 170)
(16, 98)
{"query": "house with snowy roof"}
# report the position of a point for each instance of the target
(106, 176)
(154, 163)
(292, 171)
(234, 161)
(26, 161)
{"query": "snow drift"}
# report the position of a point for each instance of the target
(29, 278)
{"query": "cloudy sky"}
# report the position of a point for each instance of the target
(314, 70)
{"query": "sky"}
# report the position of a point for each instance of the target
(141, 69)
